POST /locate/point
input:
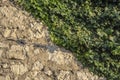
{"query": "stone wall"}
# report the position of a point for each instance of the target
(26, 52)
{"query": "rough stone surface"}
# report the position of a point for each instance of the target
(37, 66)
(65, 75)
(19, 69)
(26, 52)
(16, 52)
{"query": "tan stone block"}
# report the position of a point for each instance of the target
(7, 33)
(16, 52)
(1, 51)
(37, 66)
(19, 69)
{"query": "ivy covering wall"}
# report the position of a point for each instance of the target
(89, 28)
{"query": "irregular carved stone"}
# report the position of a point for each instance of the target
(7, 32)
(16, 52)
(65, 75)
(1, 51)
(19, 69)
(37, 66)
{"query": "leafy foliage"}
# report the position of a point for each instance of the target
(89, 28)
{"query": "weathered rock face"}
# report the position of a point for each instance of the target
(26, 52)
